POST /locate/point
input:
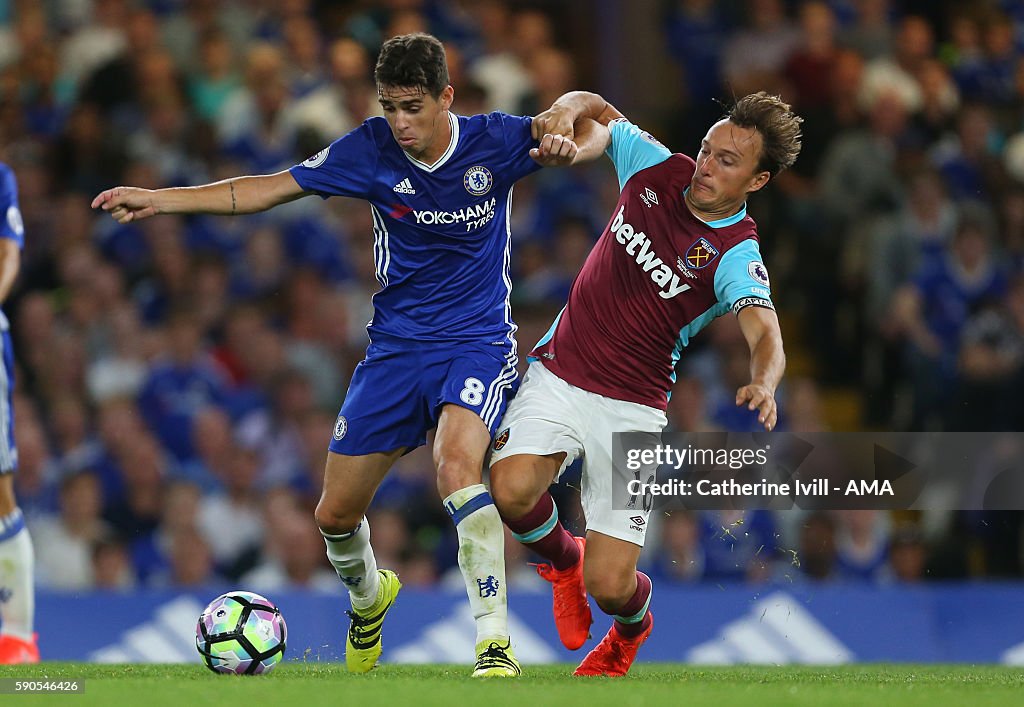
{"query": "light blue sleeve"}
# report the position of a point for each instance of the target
(633, 149)
(742, 279)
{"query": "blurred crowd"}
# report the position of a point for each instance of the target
(178, 379)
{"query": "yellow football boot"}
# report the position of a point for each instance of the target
(363, 645)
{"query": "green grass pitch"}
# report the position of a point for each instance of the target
(649, 684)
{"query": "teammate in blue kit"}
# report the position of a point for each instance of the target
(443, 350)
(17, 593)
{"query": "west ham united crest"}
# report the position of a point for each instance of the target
(501, 440)
(700, 254)
(478, 180)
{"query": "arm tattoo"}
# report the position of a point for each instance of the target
(232, 185)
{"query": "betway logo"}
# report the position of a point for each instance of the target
(638, 245)
(473, 216)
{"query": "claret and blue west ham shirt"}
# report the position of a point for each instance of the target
(441, 231)
(656, 277)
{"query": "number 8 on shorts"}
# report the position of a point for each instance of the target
(473, 393)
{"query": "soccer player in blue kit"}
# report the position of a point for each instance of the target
(443, 350)
(17, 593)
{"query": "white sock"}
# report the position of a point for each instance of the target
(353, 560)
(17, 594)
(481, 558)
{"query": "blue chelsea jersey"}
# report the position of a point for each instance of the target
(12, 227)
(441, 232)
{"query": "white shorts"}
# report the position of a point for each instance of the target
(549, 415)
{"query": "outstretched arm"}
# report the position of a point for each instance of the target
(760, 327)
(573, 130)
(568, 109)
(238, 195)
(590, 141)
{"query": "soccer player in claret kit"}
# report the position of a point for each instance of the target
(17, 590)
(678, 251)
(442, 352)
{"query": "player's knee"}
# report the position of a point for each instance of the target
(512, 493)
(454, 473)
(611, 590)
(7, 500)
(335, 521)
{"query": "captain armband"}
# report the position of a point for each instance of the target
(745, 302)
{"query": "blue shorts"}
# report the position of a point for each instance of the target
(8, 452)
(397, 393)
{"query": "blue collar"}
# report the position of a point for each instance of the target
(723, 222)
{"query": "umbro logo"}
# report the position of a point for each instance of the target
(404, 187)
(638, 520)
(649, 197)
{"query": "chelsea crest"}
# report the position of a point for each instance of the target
(340, 428)
(478, 180)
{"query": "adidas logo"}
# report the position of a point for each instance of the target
(777, 630)
(404, 187)
(168, 637)
(452, 640)
(1014, 655)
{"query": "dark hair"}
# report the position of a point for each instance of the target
(778, 124)
(413, 61)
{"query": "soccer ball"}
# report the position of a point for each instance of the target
(241, 633)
